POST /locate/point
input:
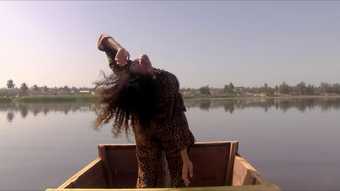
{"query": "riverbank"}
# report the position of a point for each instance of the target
(91, 98)
(46, 99)
(5, 100)
(263, 97)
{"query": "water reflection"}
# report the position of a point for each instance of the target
(10, 116)
(279, 104)
(25, 109)
(229, 106)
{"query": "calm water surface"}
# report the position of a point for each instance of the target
(293, 143)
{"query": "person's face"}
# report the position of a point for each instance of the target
(142, 66)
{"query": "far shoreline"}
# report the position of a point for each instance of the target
(92, 98)
(263, 97)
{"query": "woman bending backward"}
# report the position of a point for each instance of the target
(147, 100)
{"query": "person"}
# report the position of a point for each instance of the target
(148, 100)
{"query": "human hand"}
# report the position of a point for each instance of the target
(106, 42)
(101, 45)
(122, 57)
(187, 171)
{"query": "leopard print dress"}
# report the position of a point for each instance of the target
(168, 134)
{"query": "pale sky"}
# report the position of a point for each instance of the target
(248, 43)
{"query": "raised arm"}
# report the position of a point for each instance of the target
(107, 42)
(117, 55)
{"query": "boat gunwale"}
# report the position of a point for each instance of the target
(259, 187)
(79, 173)
(262, 183)
(99, 160)
(201, 143)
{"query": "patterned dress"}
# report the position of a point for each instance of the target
(168, 134)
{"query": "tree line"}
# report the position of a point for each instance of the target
(229, 90)
(283, 89)
(23, 89)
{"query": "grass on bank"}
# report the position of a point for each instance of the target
(65, 98)
(5, 100)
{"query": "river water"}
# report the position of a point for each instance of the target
(294, 143)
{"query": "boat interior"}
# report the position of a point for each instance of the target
(216, 164)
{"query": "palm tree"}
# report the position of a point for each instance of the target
(10, 84)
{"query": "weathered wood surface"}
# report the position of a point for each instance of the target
(120, 165)
(245, 173)
(216, 165)
(264, 187)
(213, 162)
(233, 149)
(91, 176)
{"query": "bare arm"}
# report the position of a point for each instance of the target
(187, 168)
(116, 53)
(184, 154)
(106, 41)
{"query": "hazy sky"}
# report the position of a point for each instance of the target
(204, 43)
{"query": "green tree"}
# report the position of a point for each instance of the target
(35, 88)
(276, 89)
(23, 89)
(310, 90)
(66, 90)
(284, 88)
(336, 88)
(45, 89)
(10, 84)
(265, 86)
(301, 88)
(231, 86)
(205, 90)
(268, 90)
(229, 89)
(325, 88)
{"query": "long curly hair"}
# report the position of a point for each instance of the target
(125, 100)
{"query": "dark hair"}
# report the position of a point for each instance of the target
(127, 99)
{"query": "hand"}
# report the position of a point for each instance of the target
(105, 42)
(101, 45)
(122, 57)
(187, 171)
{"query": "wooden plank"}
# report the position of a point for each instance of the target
(197, 144)
(245, 173)
(231, 160)
(123, 166)
(226, 182)
(264, 187)
(210, 161)
(219, 155)
(91, 176)
(123, 163)
(107, 168)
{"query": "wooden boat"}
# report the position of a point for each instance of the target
(217, 166)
